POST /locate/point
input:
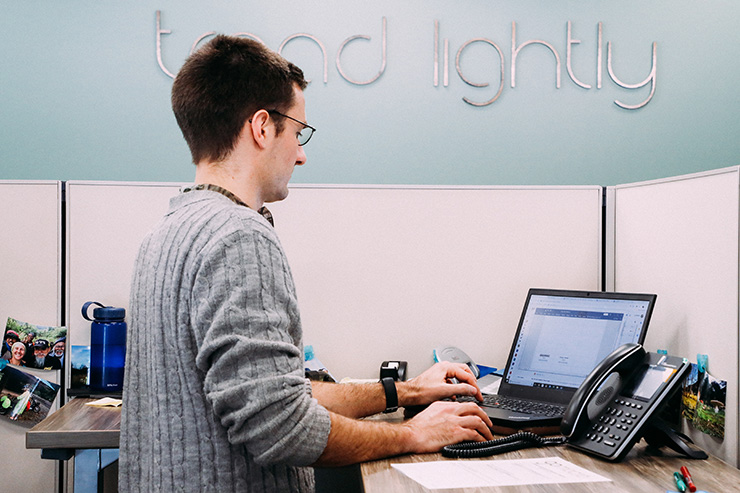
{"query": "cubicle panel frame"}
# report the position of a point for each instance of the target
(36, 286)
(106, 222)
(30, 291)
(679, 237)
(399, 302)
(391, 272)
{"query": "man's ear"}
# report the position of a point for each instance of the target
(259, 128)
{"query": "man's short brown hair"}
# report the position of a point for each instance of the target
(222, 85)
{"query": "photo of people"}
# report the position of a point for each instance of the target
(24, 398)
(42, 347)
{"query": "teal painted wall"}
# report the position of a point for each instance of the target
(82, 95)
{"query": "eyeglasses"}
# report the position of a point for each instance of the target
(305, 134)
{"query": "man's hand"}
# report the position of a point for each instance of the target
(436, 383)
(445, 423)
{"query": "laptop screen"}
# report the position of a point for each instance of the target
(563, 335)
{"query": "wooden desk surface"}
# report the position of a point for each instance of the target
(638, 472)
(77, 426)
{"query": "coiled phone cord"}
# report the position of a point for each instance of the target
(523, 439)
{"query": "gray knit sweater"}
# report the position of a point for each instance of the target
(215, 397)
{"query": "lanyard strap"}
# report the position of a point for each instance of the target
(263, 211)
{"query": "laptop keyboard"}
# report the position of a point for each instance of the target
(518, 405)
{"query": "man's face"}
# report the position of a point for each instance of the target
(59, 349)
(286, 154)
(40, 353)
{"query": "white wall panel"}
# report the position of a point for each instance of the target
(382, 273)
(390, 273)
(679, 238)
(30, 288)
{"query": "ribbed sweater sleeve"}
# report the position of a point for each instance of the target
(254, 377)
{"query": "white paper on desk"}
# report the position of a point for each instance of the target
(480, 473)
(105, 402)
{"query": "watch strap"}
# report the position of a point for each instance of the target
(391, 395)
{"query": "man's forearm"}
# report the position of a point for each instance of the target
(362, 399)
(442, 423)
(350, 399)
(352, 441)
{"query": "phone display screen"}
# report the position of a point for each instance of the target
(647, 382)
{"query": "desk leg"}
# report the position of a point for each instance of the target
(89, 465)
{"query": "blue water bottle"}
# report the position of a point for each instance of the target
(107, 347)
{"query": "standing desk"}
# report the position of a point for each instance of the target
(76, 426)
(89, 434)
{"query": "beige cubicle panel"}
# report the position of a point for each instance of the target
(381, 272)
(30, 288)
(106, 222)
(390, 273)
(678, 237)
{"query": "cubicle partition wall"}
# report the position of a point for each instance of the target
(678, 237)
(30, 291)
(106, 222)
(390, 273)
(381, 272)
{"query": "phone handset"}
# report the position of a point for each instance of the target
(600, 387)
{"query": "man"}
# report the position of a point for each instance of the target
(57, 350)
(41, 357)
(228, 408)
(11, 337)
(29, 342)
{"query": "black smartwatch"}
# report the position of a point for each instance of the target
(391, 396)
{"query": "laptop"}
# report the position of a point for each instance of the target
(562, 336)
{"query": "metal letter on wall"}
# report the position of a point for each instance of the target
(362, 36)
(313, 38)
(573, 77)
(459, 71)
(160, 32)
(515, 51)
(650, 78)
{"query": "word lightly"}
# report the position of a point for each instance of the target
(515, 52)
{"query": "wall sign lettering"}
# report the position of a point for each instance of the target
(516, 49)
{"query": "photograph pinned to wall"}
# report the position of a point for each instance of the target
(24, 398)
(80, 358)
(710, 406)
(703, 400)
(689, 393)
(34, 346)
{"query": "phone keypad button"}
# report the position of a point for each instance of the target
(614, 427)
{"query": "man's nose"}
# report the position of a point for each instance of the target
(301, 158)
